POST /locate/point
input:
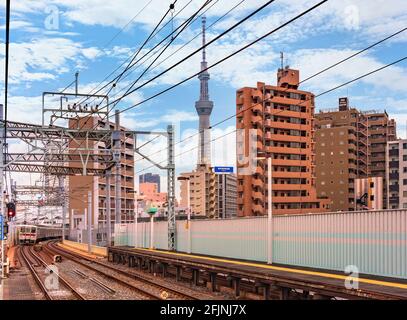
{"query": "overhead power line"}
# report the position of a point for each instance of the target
(211, 42)
(316, 96)
(202, 7)
(301, 82)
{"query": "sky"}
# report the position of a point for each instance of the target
(52, 39)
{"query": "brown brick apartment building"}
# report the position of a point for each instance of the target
(80, 185)
(350, 145)
(281, 118)
(341, 154)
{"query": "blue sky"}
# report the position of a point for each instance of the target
(51, 39)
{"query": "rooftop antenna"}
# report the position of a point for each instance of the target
(282, 60)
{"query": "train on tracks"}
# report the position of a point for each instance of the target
(31, 234)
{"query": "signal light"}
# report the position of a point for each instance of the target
(11, 209)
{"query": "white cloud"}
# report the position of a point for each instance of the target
(43, 59)
(311, 61)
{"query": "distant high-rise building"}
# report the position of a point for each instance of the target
(351, 144)
(282, 119)
(381, 130)
(226, 185)
(80, 185)
(151, 178)
(396, 174)
(341, 154)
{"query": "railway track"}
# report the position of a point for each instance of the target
(37, 267)
(148, 288)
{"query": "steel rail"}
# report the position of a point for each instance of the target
(121, 272)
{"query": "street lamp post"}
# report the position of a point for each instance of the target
(188, 210)
(136, 223)
(269, 208)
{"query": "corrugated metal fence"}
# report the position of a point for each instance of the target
(373, 241)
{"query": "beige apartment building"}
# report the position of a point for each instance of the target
(282, 119)
(396, 174)
(381, 130)
(211, 195)
(80, 185)
(369, 193)
(202, 191)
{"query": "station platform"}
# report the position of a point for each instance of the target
(324, 283)
(82, 248)
(19, 284)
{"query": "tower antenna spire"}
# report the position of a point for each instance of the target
(204, 106)
(204, 39)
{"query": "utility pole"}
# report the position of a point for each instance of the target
(76, 82)
(89, 221)
(2, 204)
(270, 213)
(116, 156)
(108, 210)
(172, 227)
(63, 200)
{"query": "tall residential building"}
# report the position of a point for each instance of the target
(396, 174)
(151, 178)
(80, 185)
(281, 120)
(202, 192)
(211, 195)
(341, 154)
(226, 195)
(381, 130)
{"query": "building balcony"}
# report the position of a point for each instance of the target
(394, 164)
(394, 176)
(257, 195)
(287, 113)
(287, 150)
(258, 183)
(394, 199)
(286, 174)
(258, 108)
(288, 187)
(289, 138)
(284, 162)
(286, 125)
(394, 152)
(257, 209)
(394, 188)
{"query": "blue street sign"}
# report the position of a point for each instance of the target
(223, 169)
(1, 228)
